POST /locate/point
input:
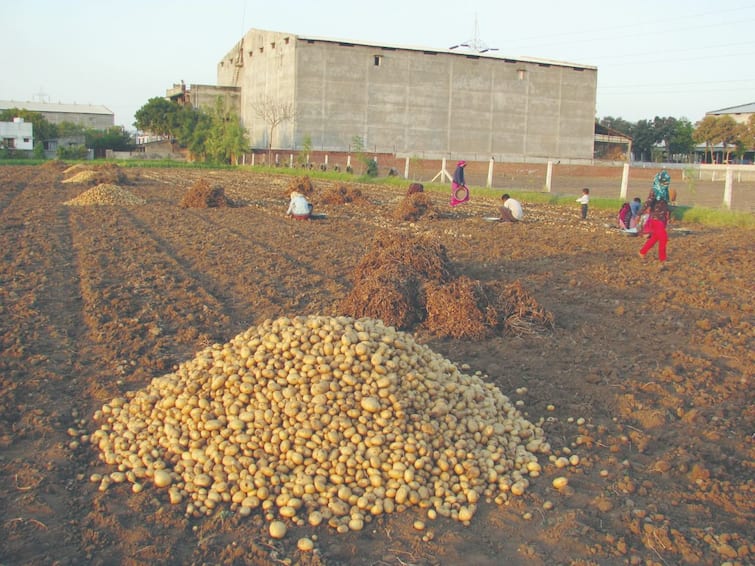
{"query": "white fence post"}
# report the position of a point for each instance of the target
(549, 176)
(727, 187)
(490, 172)
(624, 181)
(406, 168)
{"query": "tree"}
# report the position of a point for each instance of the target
(114, 138)
(195, 139)
(273, 113)
(749, 133)
(665, 129)
(706, 132)
(643, 140)
(226, 138)
(306, 149)
(618, 124)
(69, 129)
(158, 116)
(681, 142)
(728, 133)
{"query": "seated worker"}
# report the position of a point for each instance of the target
(511, 211)
(635, 207)
(299, 207)
(624, 216)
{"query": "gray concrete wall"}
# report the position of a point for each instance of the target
(411, 102)
(205, 97)
(415, 102)
(263, 65)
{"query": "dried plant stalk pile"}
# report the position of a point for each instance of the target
(343, 194)
(301, 185)
(202, 195)
(404, 281)
(414, 206)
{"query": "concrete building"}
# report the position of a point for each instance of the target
(86, 115)
(741, 113)
(17, 134)
(409, 101)
(205, 96)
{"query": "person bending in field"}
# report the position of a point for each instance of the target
(624, 217)
(635, 207)
(299, 207)
(511, 211)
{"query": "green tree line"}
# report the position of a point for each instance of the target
(672, 139)
(215, 135)
(115, 138)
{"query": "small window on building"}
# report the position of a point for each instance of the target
(272, 45)
(27, 140)
(262, 49)
(286, 40)
(377, 60)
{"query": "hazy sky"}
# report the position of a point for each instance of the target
(677, 58)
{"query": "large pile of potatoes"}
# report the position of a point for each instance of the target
(105, 194)
(320, 420)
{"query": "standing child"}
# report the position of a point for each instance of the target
(584, 200)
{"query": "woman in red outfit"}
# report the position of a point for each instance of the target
(659, 215)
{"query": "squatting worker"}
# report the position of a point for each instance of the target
(511, 211)
(299, 207)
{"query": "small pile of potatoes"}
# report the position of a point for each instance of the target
(320, 420)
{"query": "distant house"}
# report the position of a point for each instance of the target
(741, 113)
(612, 144)
(17, 134)
(85, 115)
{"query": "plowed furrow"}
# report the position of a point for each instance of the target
(133, 284)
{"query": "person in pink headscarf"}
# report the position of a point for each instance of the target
(459, 190)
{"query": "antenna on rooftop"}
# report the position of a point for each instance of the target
(475, 44)
(41, 96)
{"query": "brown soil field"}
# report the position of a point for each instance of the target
(646, 375)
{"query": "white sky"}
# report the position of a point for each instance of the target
(677, 58)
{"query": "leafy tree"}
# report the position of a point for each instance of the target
(115, 138)
(158, 116)
(196, 140)
(77, 152)
(618, 124)
(69, 129)
(681, 142)
(748, 135)
(226, 138)
(706, 132)
(187, 120)
(643, 140)
(306, 149)
(728, 133)
(665, 129)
